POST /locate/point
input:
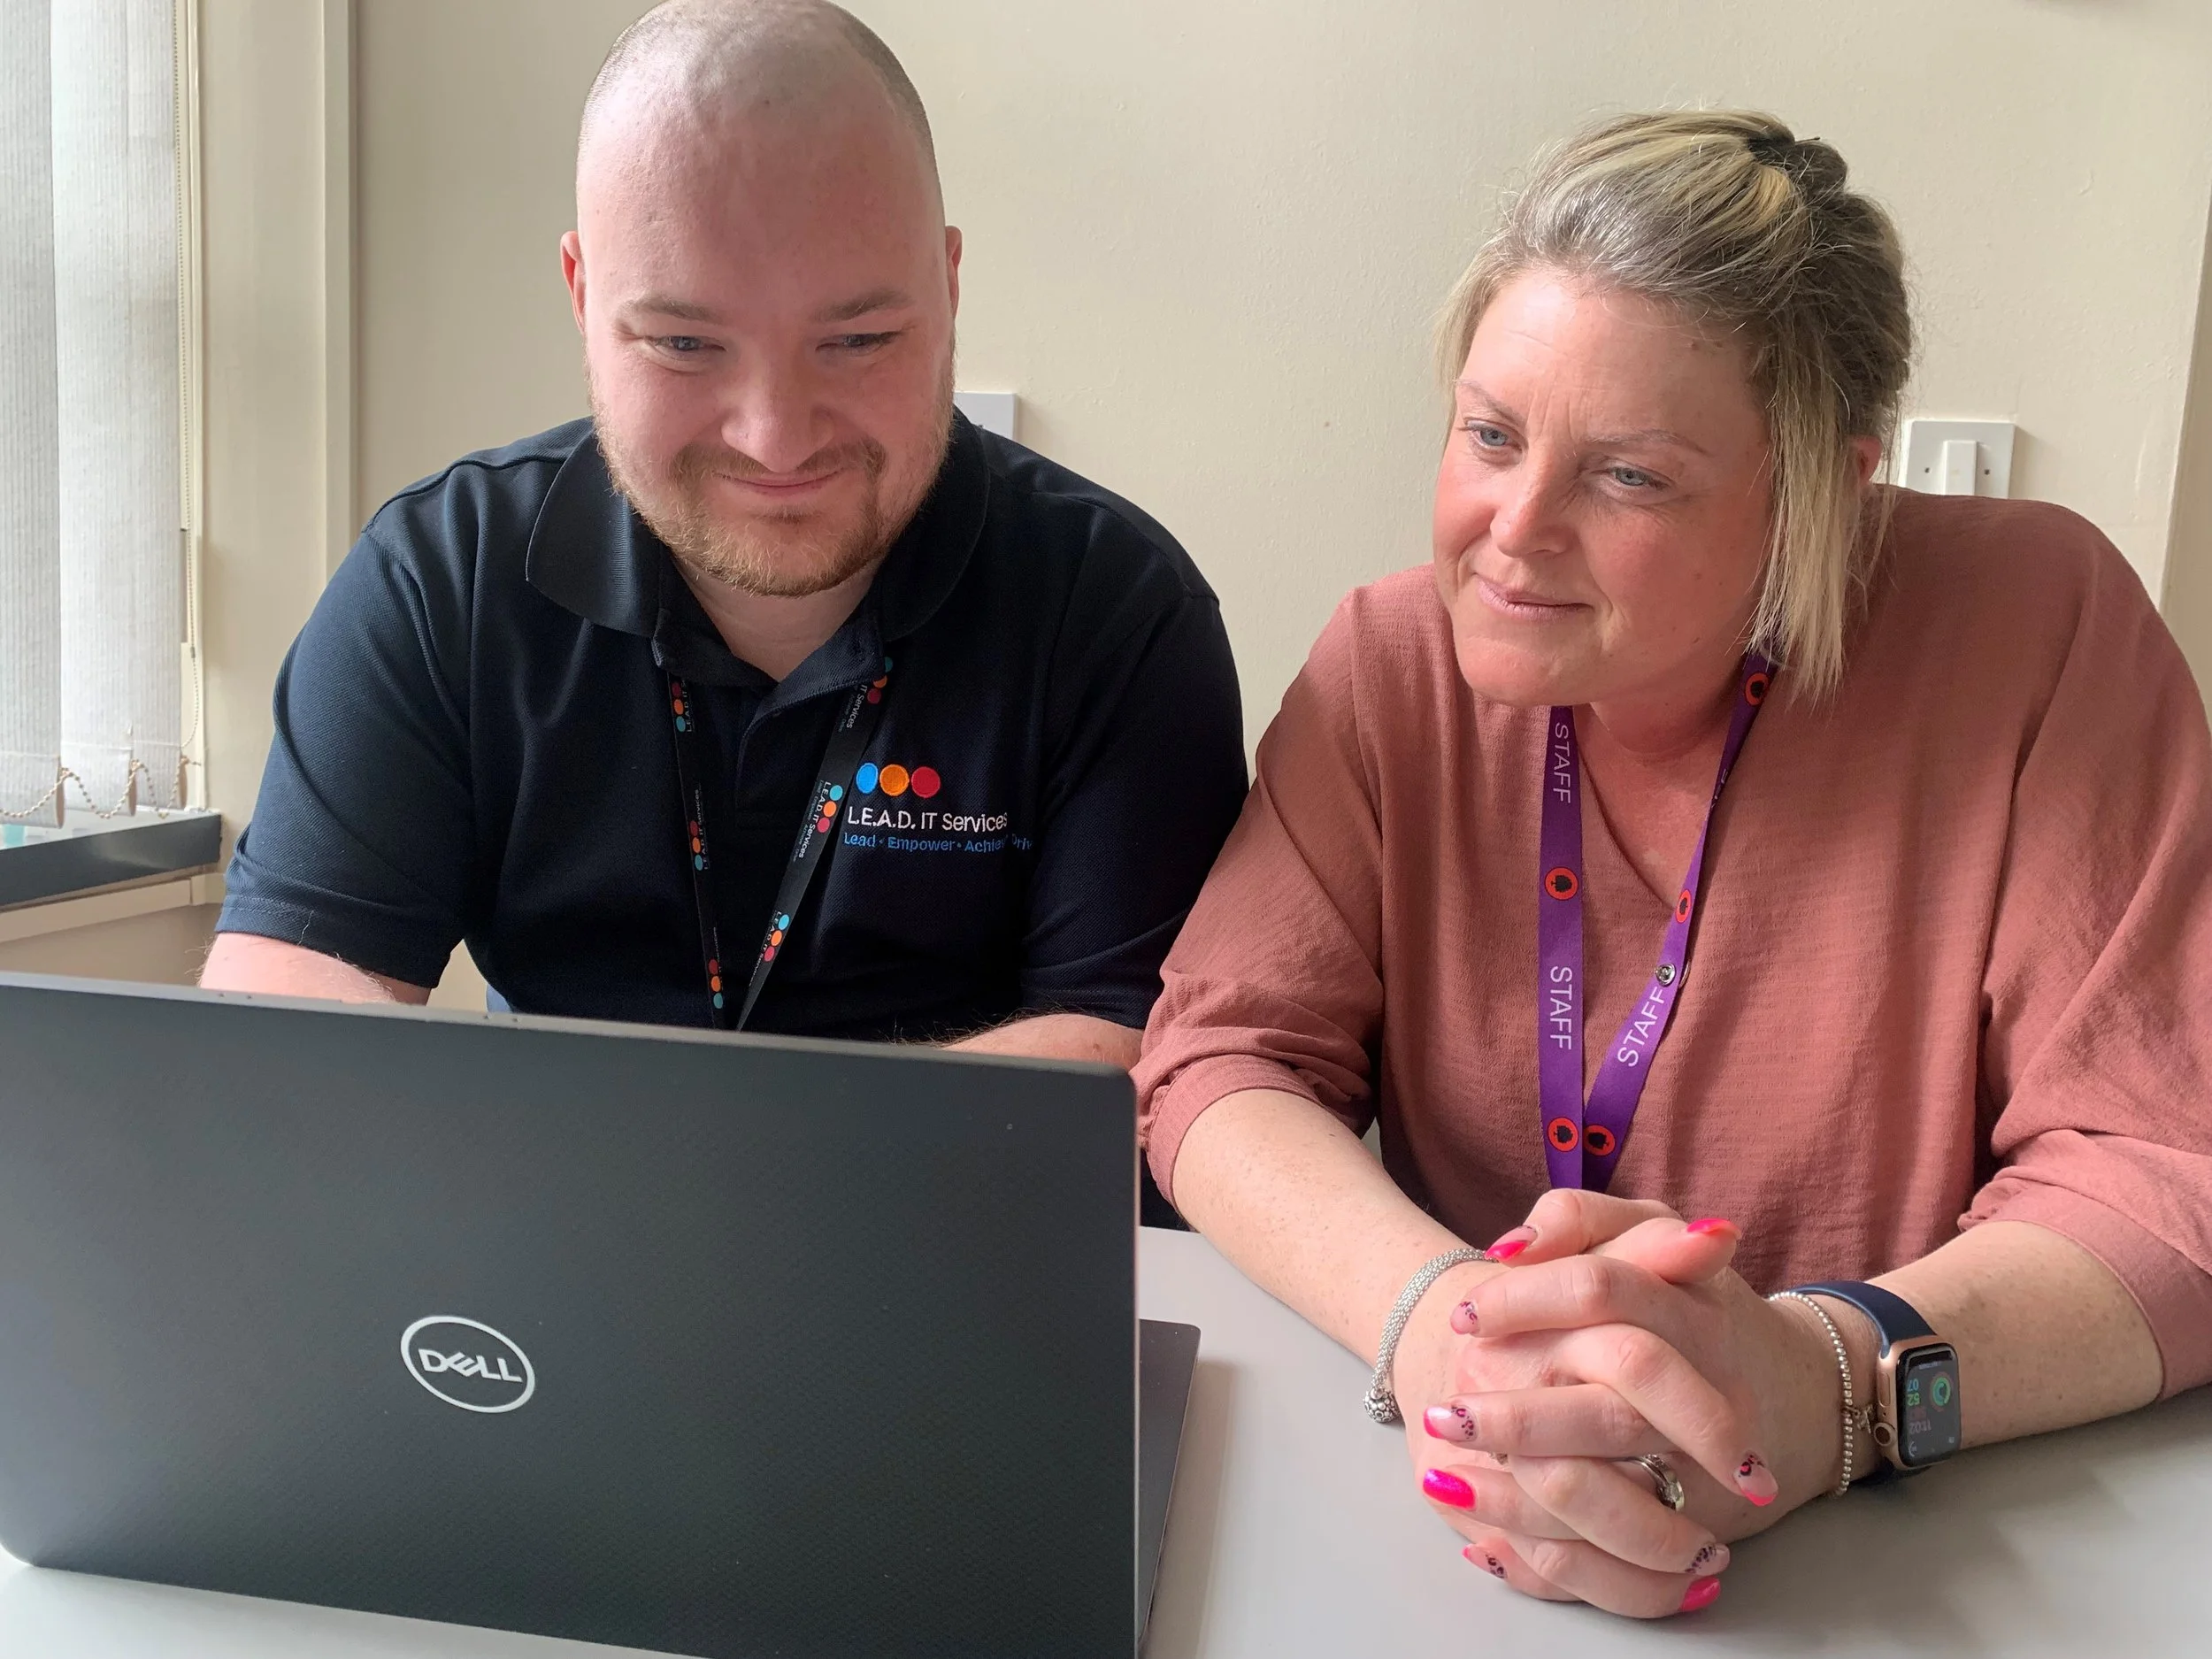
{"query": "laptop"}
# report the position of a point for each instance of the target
(708, 1344)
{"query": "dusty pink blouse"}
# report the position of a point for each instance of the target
(1953, 960)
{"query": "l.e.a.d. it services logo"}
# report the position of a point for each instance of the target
(894, 780)
(466, 1364)
(887, 782)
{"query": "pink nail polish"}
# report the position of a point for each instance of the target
(1490, 1565)
(1755, 1480)
(1704, 1594)
(1464, 1319)
(1447, 1489)
(1511, 1246)
(1454, 1423)
(1713, 1223)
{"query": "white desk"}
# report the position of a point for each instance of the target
(1295, 1531)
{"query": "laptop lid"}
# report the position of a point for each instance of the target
(715, 1345)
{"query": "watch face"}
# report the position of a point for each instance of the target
(1928, 1405)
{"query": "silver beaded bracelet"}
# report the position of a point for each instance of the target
(1843, 1366)
(1382, 1404)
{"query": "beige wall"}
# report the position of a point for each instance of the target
(166, 948)
(1205, 241)
(2189, 556)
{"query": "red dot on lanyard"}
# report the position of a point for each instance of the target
(1755, 690)
(1561, 883)
(1682, 906)
(768, 954)
(874, 695)
(1598, 1141)
(1562, 1133)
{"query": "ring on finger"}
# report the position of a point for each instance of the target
(1670, 1484)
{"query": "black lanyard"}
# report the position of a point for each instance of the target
(856, 725)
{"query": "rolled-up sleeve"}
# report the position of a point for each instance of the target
(1274, 981)
(2098, 1049)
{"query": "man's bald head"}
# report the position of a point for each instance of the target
(767, 288)
(694, 63)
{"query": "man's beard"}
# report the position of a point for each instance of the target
(775, 554)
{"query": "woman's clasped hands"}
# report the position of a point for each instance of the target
(1616, 1331)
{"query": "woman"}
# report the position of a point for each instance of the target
(1933, 1001)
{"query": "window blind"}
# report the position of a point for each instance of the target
(91, 556)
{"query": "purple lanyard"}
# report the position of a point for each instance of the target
(1582, 1144)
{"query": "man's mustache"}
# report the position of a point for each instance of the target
(703, 461)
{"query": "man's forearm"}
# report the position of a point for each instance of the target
(247, 961)
(1059, 1037)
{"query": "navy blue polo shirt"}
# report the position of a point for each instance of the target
(472, 742)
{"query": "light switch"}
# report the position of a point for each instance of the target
(1955, 468)
(1958, 457)
(994, 412)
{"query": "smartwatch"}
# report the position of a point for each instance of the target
(1914, 1410)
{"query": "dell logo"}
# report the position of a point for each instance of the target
(474, 1366)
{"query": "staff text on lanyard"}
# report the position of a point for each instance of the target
(1582, 1143)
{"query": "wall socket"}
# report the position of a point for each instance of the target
(1958, 457)
(994, 412)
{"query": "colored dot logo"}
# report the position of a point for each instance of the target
(1562, 1133)
(894, 780)
(1561, 884)
(1682, 906)
(714, 980)
(777, 929)
(1598, 1141)
(1755, 689)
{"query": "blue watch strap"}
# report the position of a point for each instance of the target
(1895, 1320)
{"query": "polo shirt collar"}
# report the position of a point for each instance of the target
(591, 555)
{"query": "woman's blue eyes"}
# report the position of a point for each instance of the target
(1492, 439)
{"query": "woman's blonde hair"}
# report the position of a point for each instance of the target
(1749, 232)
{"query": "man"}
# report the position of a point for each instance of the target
(776, 693)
